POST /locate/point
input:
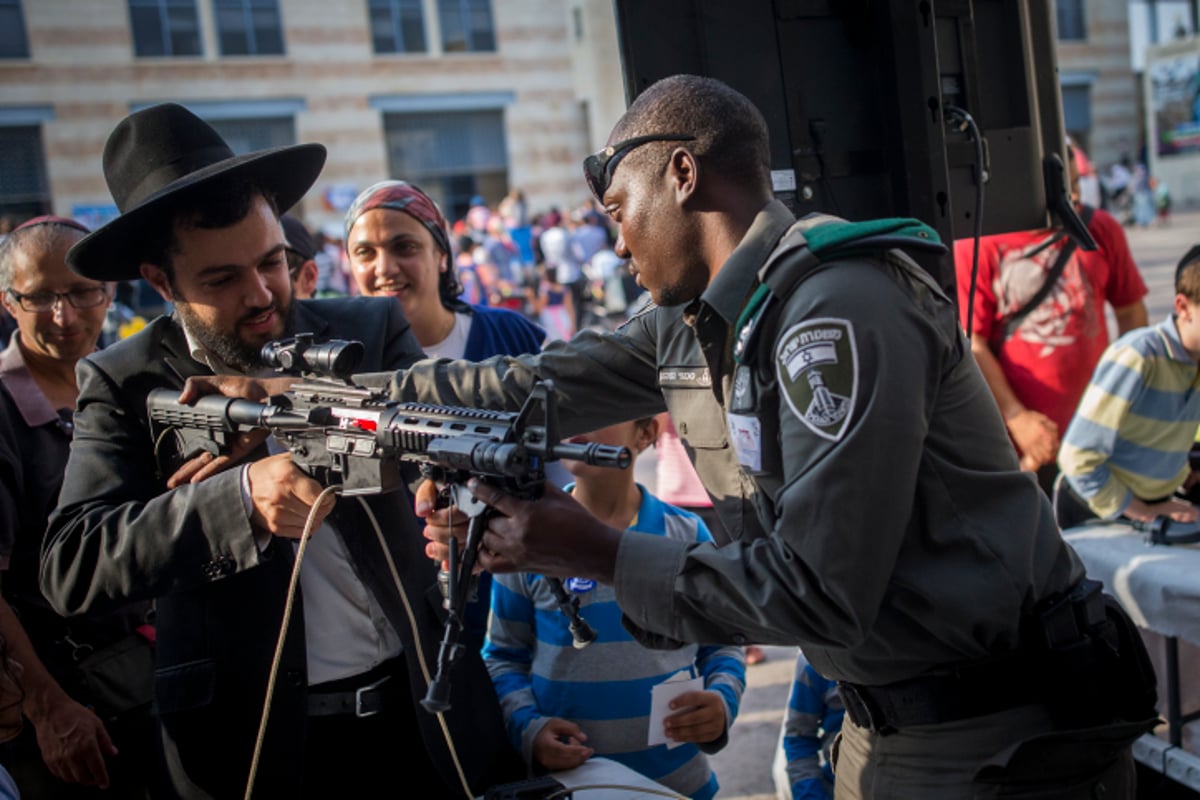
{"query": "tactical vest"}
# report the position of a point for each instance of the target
(812, 244)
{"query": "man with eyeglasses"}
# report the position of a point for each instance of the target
(75, 741)
(820, 381)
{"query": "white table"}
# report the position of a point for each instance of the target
(602, 779)
(603, 772)
(1159, 586)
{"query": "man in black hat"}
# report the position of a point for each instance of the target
(202, 226)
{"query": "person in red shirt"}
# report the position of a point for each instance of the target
(1038, 373)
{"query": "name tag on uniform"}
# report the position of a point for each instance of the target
(684, 377)
(746, 433)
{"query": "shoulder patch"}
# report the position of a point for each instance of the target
(817, 366)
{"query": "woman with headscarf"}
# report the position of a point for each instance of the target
(398, 243)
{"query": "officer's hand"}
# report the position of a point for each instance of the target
(553, 535)
(700, 718)
(283, 495)
(73, 742)
(560, 745)
(1176, 509)
(1036, 436)
(440, 523)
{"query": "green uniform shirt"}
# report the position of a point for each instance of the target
(884, 524)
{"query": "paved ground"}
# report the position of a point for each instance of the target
(744, 766)
(1157, 249)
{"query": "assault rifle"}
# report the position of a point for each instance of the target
(347, 435)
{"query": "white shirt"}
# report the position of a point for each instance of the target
(455, 344)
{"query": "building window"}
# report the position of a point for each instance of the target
(397, 26)
(467, 26)
(164, 27)
(1077, 113)
(13, 43)
(1072, 25)
(246, 134)
(249, 27)
(24, 190)
(452, 155)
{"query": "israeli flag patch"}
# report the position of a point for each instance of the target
(816, 362)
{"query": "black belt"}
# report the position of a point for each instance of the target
(972, 691)
(1064, 639)
(375, 695)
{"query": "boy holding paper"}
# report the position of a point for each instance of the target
(563, 705)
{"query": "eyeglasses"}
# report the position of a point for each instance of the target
(37, 302)
(598, 168)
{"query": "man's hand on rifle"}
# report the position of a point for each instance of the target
(256, 389)
(206, 465)
(553, 535)
(283, 495)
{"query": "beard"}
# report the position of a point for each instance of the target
(228, 346)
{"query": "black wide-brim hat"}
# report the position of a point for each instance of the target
(156, 156)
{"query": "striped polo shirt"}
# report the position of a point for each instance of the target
(1137, 421)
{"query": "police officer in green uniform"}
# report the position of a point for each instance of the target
(825, 391)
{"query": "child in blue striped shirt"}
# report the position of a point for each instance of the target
(563, 705)
(803, 768)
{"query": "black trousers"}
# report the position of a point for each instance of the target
(375, 756)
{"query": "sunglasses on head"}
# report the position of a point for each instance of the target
(598, 168)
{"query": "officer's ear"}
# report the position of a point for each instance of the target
(684, 171)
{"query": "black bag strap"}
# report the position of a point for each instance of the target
(1056, 271)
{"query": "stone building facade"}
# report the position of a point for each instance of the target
(464, 97)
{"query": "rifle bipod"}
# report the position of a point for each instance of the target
(437, 698)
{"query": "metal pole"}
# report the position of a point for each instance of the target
(1174, 716)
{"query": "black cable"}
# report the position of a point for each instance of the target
(968, 123)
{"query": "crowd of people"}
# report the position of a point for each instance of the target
(143, 589)
(556, 268)
(1130, 193)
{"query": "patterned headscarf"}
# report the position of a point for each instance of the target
(401, 196)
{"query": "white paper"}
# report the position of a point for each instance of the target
(660, 702)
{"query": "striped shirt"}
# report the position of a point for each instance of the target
(605, 687)
(814, 717)
(1136, 423)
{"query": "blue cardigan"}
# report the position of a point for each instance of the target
(500, 332)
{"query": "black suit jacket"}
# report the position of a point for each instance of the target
(118, 535)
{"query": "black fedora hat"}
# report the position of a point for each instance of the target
(155, 156)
